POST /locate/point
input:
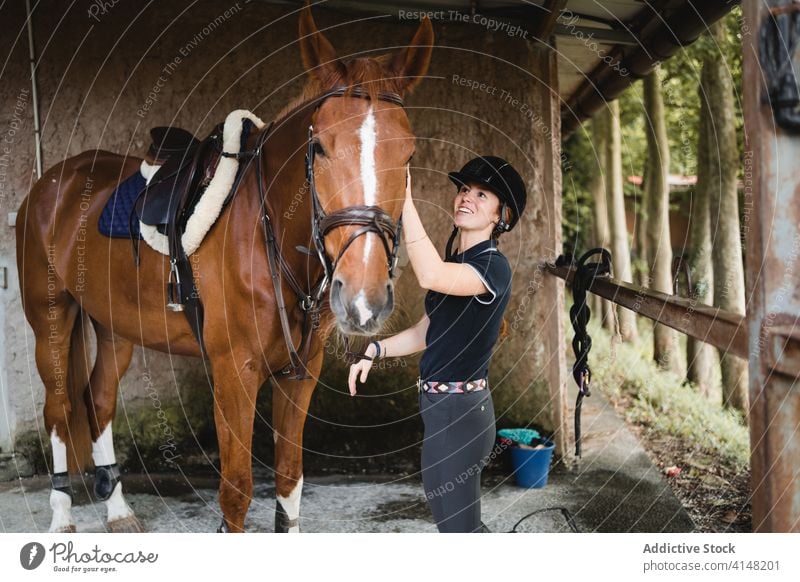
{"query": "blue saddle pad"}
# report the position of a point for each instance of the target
(115, 220)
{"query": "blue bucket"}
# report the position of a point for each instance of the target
(531, 466)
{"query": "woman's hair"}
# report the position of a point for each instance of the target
(503, 330)
(507, 218)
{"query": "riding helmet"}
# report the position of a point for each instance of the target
(500, 177)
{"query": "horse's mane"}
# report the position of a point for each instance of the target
(368, 74)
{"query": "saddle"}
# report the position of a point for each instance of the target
(167, 203)
(187, 166)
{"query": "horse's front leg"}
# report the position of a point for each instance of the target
(290, 401)
(236, 384)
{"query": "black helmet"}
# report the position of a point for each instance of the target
(500, 177)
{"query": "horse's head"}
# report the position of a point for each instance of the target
(360, 148)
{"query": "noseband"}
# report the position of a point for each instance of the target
(371, 218)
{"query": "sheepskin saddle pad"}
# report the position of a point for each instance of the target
(188, 181)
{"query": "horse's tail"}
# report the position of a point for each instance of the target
(79, 455)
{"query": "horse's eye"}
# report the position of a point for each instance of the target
(318, 150)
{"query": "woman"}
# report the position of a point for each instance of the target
(467, 294)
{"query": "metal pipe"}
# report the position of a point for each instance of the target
(37, 133)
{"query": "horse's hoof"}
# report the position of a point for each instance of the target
(125, 525)
(66, 529)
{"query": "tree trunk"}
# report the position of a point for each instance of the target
(621, 260)
(726, 254)
(641, 267)
(665, 339)
(602, 234)
(698, 353)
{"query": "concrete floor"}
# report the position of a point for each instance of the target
(615, 489)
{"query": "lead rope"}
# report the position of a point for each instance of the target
(579, 315)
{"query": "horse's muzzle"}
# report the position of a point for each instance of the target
(361, 312)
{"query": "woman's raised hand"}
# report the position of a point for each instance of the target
(361, 369)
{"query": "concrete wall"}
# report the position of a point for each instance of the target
(107, 75)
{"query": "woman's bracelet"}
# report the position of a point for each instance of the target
(377, 345)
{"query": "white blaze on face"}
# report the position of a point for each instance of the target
(291, 504)
(368, 137)
(103, 448)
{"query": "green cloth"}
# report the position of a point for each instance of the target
(520, 435)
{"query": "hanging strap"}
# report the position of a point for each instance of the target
(579, 315)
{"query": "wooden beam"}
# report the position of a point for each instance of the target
(721, 329)
(544, 28)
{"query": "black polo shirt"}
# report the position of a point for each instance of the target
(463, 329)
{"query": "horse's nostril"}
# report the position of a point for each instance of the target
(336, 294)
(389, 305)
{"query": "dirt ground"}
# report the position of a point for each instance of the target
(715, 494)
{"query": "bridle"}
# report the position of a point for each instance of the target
(370, 218)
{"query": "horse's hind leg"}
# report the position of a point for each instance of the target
(290, 402)
(60, 359)
(113, 358)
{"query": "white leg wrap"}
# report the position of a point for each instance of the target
(103, 448)
(59, 453)
(116, 505)
(291, 505)
(60, 502)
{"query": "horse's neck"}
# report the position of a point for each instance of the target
(284, 181)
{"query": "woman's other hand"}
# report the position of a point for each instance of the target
(361, 369)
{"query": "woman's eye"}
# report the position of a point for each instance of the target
(318, 150)
(482, 194)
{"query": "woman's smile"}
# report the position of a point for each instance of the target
(475, 207)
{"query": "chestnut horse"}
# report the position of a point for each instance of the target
(71, 275)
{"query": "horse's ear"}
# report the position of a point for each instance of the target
(412, 62)
(319, 56)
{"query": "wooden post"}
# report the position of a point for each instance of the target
(548, 149)
(770, 226)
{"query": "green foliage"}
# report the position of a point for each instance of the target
(661, 401)
(576, 214)
(680, 82)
